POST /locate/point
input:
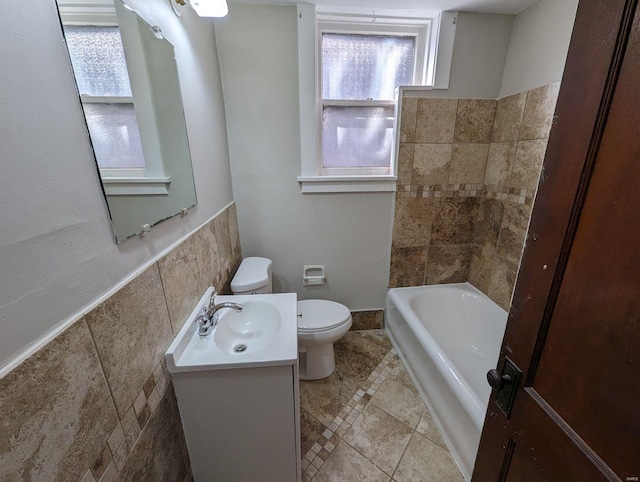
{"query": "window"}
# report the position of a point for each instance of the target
(360, 72)
(347, 118)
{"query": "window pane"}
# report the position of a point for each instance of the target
(359, 67)
(357, 136)
(98, 60)
(115, 136)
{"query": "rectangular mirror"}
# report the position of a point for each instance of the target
(128, 83)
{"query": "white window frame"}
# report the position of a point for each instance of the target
(152, 179)
(423, 25)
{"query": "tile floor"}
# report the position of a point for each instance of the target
(366, 422)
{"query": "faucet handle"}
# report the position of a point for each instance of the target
(212, 300)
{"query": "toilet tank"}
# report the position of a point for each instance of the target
(253, 277)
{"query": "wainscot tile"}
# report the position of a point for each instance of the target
(431, 164)
(489, 218)
(367, 320)
(56, 410)
(508, 119)
(436, 120)
(181, 282)
(207, 254)
(160, 454)
(131, 331)
(474, 120)
(223, 236)
(234, 232)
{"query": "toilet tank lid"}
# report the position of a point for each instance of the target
(252, 274)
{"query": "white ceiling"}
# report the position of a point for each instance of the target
(485, 6)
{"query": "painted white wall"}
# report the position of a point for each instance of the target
(57, 254)
(349, 233)
(539, 45)
(479, 53)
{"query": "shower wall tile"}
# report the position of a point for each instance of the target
(538, 112)
(474, 121)
(412, 222)
(181, 281)
(56, 411)
(509, 111)
(436, 119)
(405, 163)
(501, 282)
(528, 163)
(468, 163)
(431, 164)
(448, 264)
(499, 163)
(407, 266)
(408, 119)
(481, 266)
(474, 170)
(513, 232)
(132, 331)
(453, 221)
(488, 222)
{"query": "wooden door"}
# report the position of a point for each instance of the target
(574, 326)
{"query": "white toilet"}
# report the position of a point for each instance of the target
(320, 322)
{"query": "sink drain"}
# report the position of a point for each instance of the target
(240, 348)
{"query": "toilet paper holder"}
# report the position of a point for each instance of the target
(313, 275)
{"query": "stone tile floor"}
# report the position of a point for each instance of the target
(366, 422)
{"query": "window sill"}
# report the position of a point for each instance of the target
(136, 186)
(326, 184)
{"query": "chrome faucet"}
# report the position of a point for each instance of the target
(209, 320)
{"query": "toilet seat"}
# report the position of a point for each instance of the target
(321, 315)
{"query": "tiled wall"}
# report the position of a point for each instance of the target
(96, 403)
(467, 174)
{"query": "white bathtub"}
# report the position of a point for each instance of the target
(448, 337)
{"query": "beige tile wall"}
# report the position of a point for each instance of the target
(467, 174)
(96, 403)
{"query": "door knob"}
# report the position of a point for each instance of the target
(496, 380)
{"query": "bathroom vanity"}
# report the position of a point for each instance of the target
(237, 390)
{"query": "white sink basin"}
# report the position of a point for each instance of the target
(264, 333)
(249, 331)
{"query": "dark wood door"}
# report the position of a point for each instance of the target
(574, 325)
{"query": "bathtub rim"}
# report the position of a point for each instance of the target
(469, 399)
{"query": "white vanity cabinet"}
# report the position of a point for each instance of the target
(242, 424)
(238, 391)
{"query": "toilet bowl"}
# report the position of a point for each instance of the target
(320, 322)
